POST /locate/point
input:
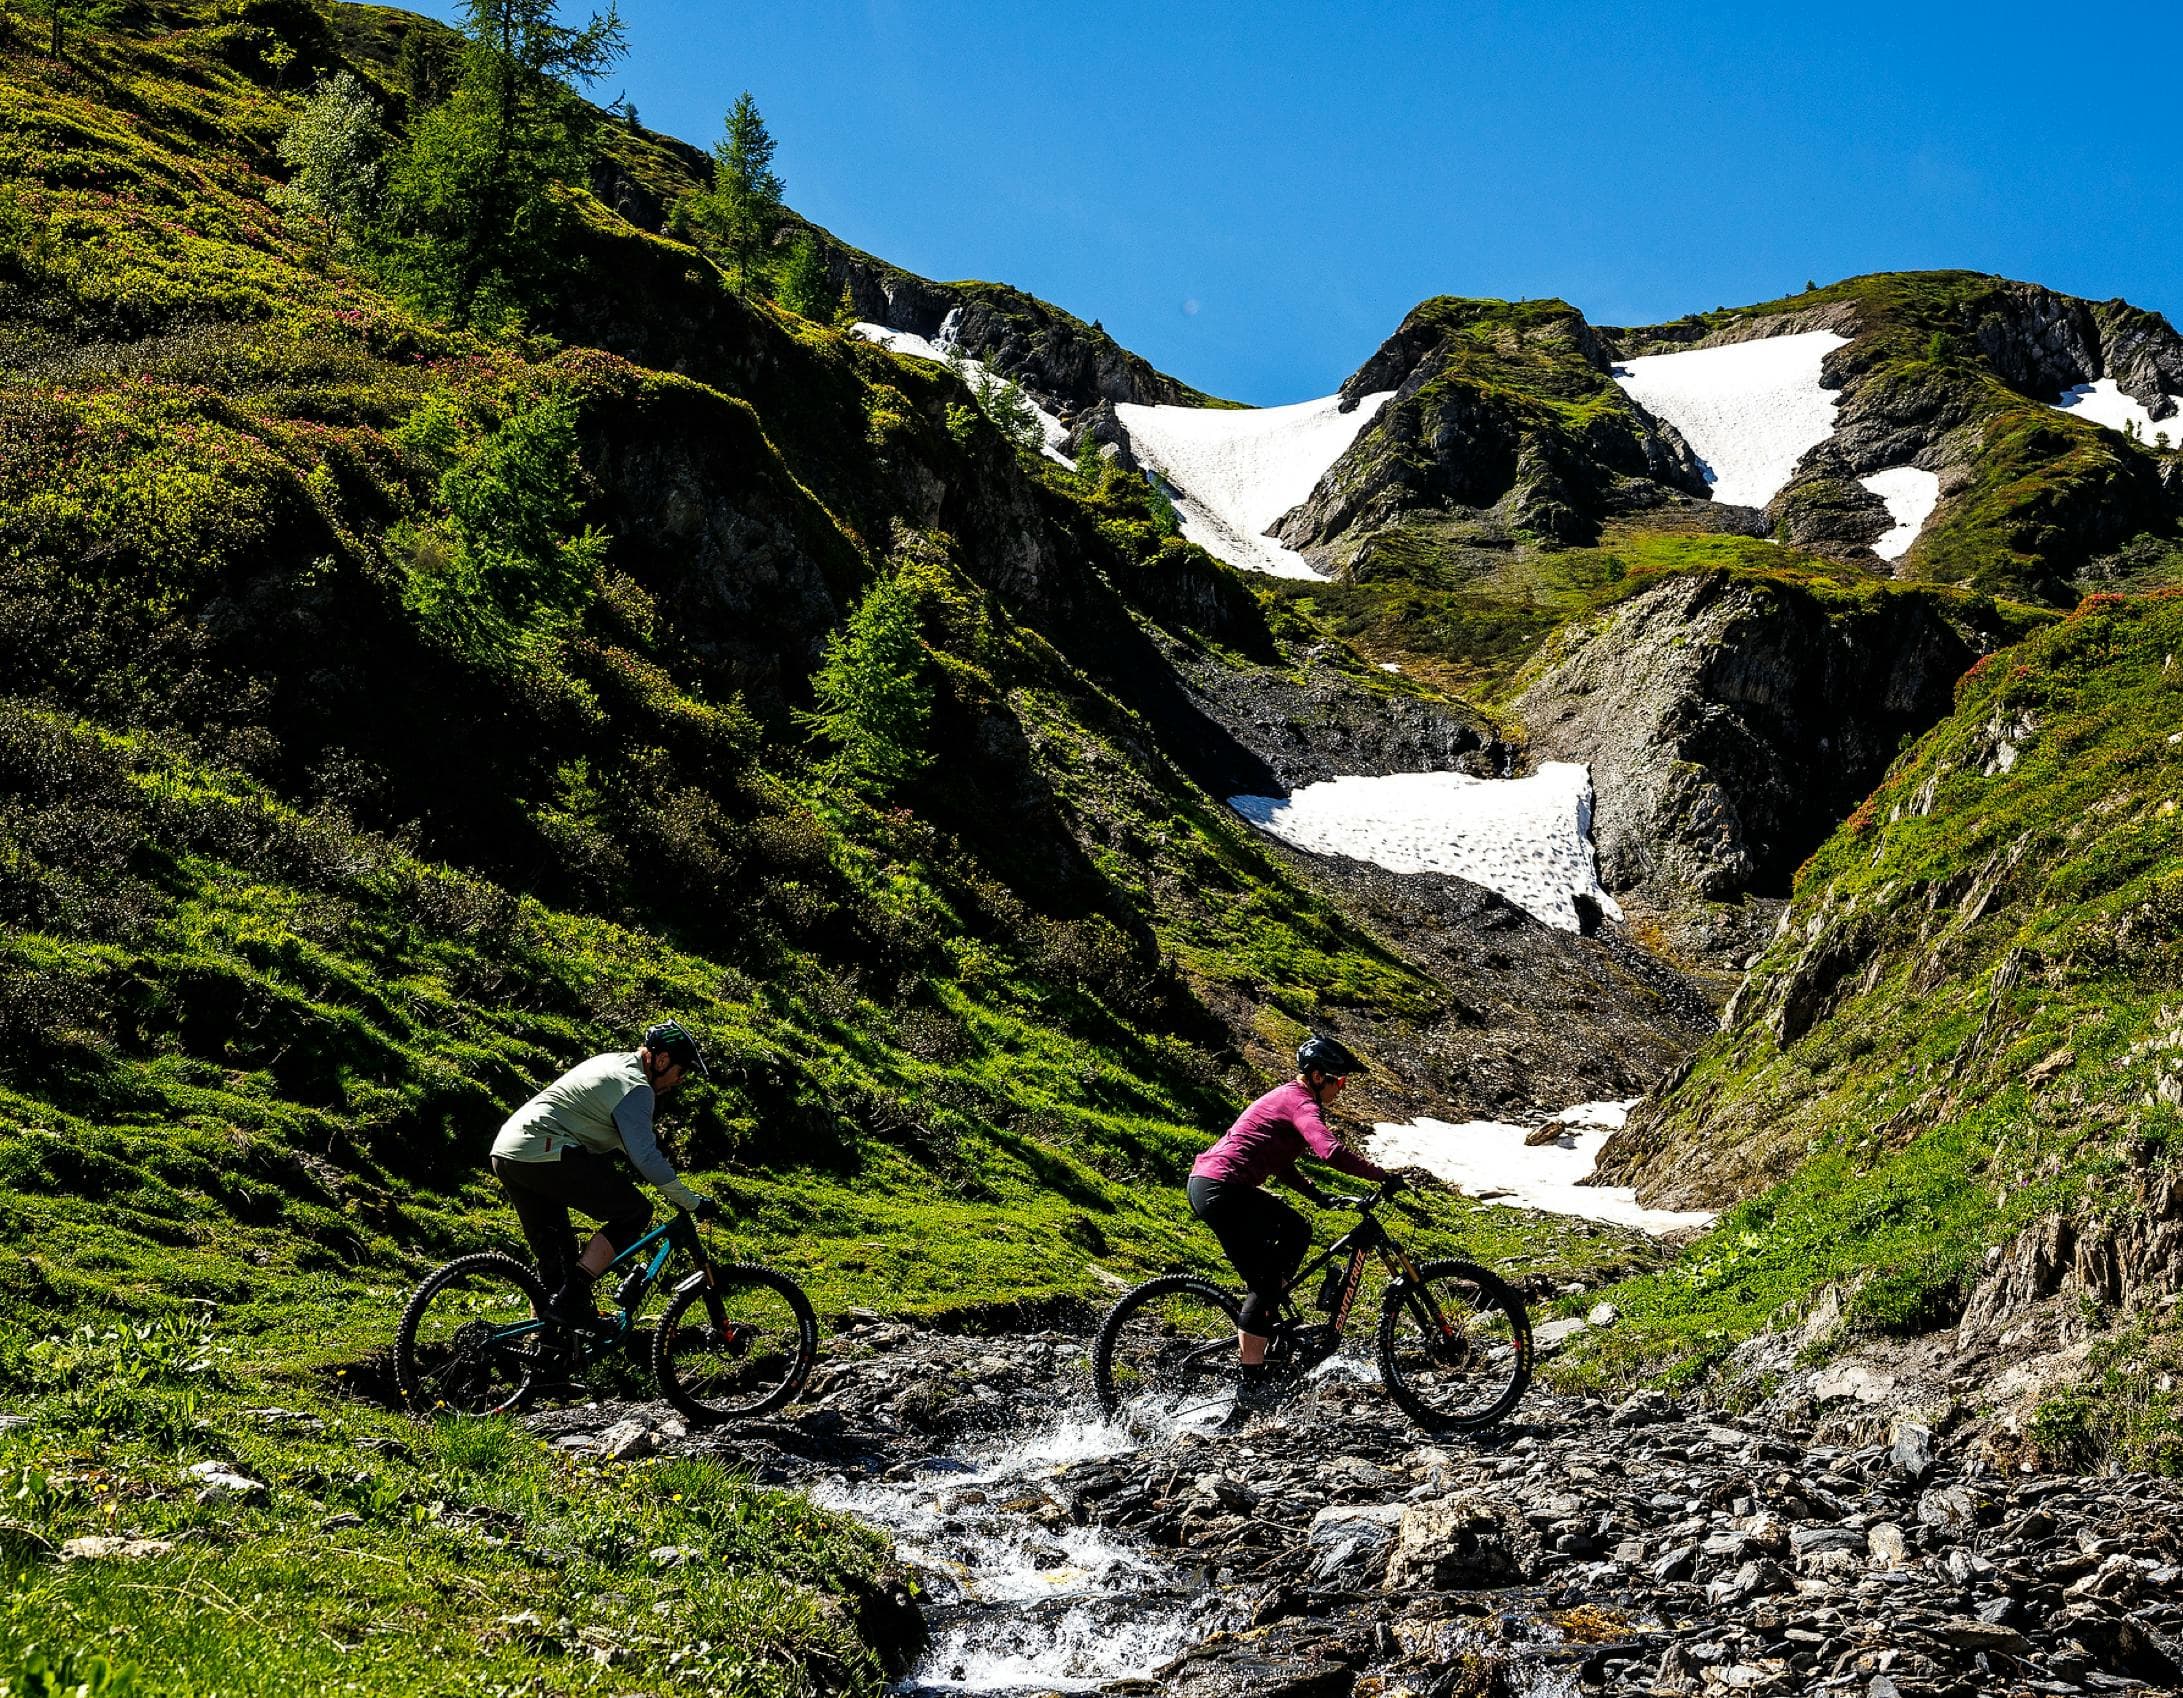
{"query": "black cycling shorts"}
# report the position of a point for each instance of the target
(543, 1192)
(1263, 1237)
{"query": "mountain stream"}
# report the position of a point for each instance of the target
(1018, 1600)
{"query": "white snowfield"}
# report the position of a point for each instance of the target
(1911, 495)
(1053, 438)
(1489, 1160)
(1234, 472)
(1749, 410)
(1530, 839)
(2104, 403)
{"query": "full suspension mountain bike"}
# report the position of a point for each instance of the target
(1453, 1341)
(736, 1339)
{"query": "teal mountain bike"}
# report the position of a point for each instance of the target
(735, 1340)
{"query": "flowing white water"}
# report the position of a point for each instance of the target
(1017, 1606)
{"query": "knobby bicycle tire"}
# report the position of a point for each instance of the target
(1127, 1305)
(1497, 1295)
(527, 1365)
(674, 1333)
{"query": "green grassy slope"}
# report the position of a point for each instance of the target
(1967, 1020)
(320, 847)
(1477, 623)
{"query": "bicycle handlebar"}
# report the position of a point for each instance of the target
(1385, 1193)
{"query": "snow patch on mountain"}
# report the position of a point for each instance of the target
(2104, 403)
(1495, 1162)
(1234, 471)
(1911, 495)
(1053, 437)
(1749, 410)
(1528, 839)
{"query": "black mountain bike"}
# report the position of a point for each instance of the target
(1454, 1342)
(736, 1339)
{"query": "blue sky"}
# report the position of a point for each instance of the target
(1251, 195)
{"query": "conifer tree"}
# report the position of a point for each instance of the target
(873, 700)
(1003, 401)
(744, 204)
(803, 287)
(425, 66)
(471, 226)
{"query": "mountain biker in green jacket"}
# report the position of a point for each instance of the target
(557, 1152)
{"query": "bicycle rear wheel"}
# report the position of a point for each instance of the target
(474, 1339)
(1468, 1367)
(739, 1347)
(1167, 1348)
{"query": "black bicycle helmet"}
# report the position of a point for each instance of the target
(669, 1039)
(1317, 1054)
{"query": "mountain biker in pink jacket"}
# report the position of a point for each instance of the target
(1263, 1238)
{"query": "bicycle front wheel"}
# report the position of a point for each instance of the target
(1455, 1348)
(1167, 1348)
(739, 1347)
(475, 1339)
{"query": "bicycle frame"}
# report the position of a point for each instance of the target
(1359, 1243)
(679, 1230)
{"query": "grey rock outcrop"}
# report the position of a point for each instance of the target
(1730, 725)
(1456, 437)
(1067, 365)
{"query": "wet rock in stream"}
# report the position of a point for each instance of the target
(1333, 1548)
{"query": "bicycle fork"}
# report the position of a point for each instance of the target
(734, 1335)
(1417, 1294)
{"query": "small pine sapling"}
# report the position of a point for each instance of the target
(804, 287)
(1004, 402)
(872, 699)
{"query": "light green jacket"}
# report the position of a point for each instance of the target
(603, 1105)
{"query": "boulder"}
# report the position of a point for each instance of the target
(1911, 1455)
(1950, 1508)
(1642, 1409)
(104, 1547)
(627, 1441)
(1459, 1542)
(219, 1481)
(1351, 1542)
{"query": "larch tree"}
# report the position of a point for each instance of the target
(744, 206)
(472, 227)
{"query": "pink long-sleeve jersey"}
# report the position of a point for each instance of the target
(1268, 1137)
